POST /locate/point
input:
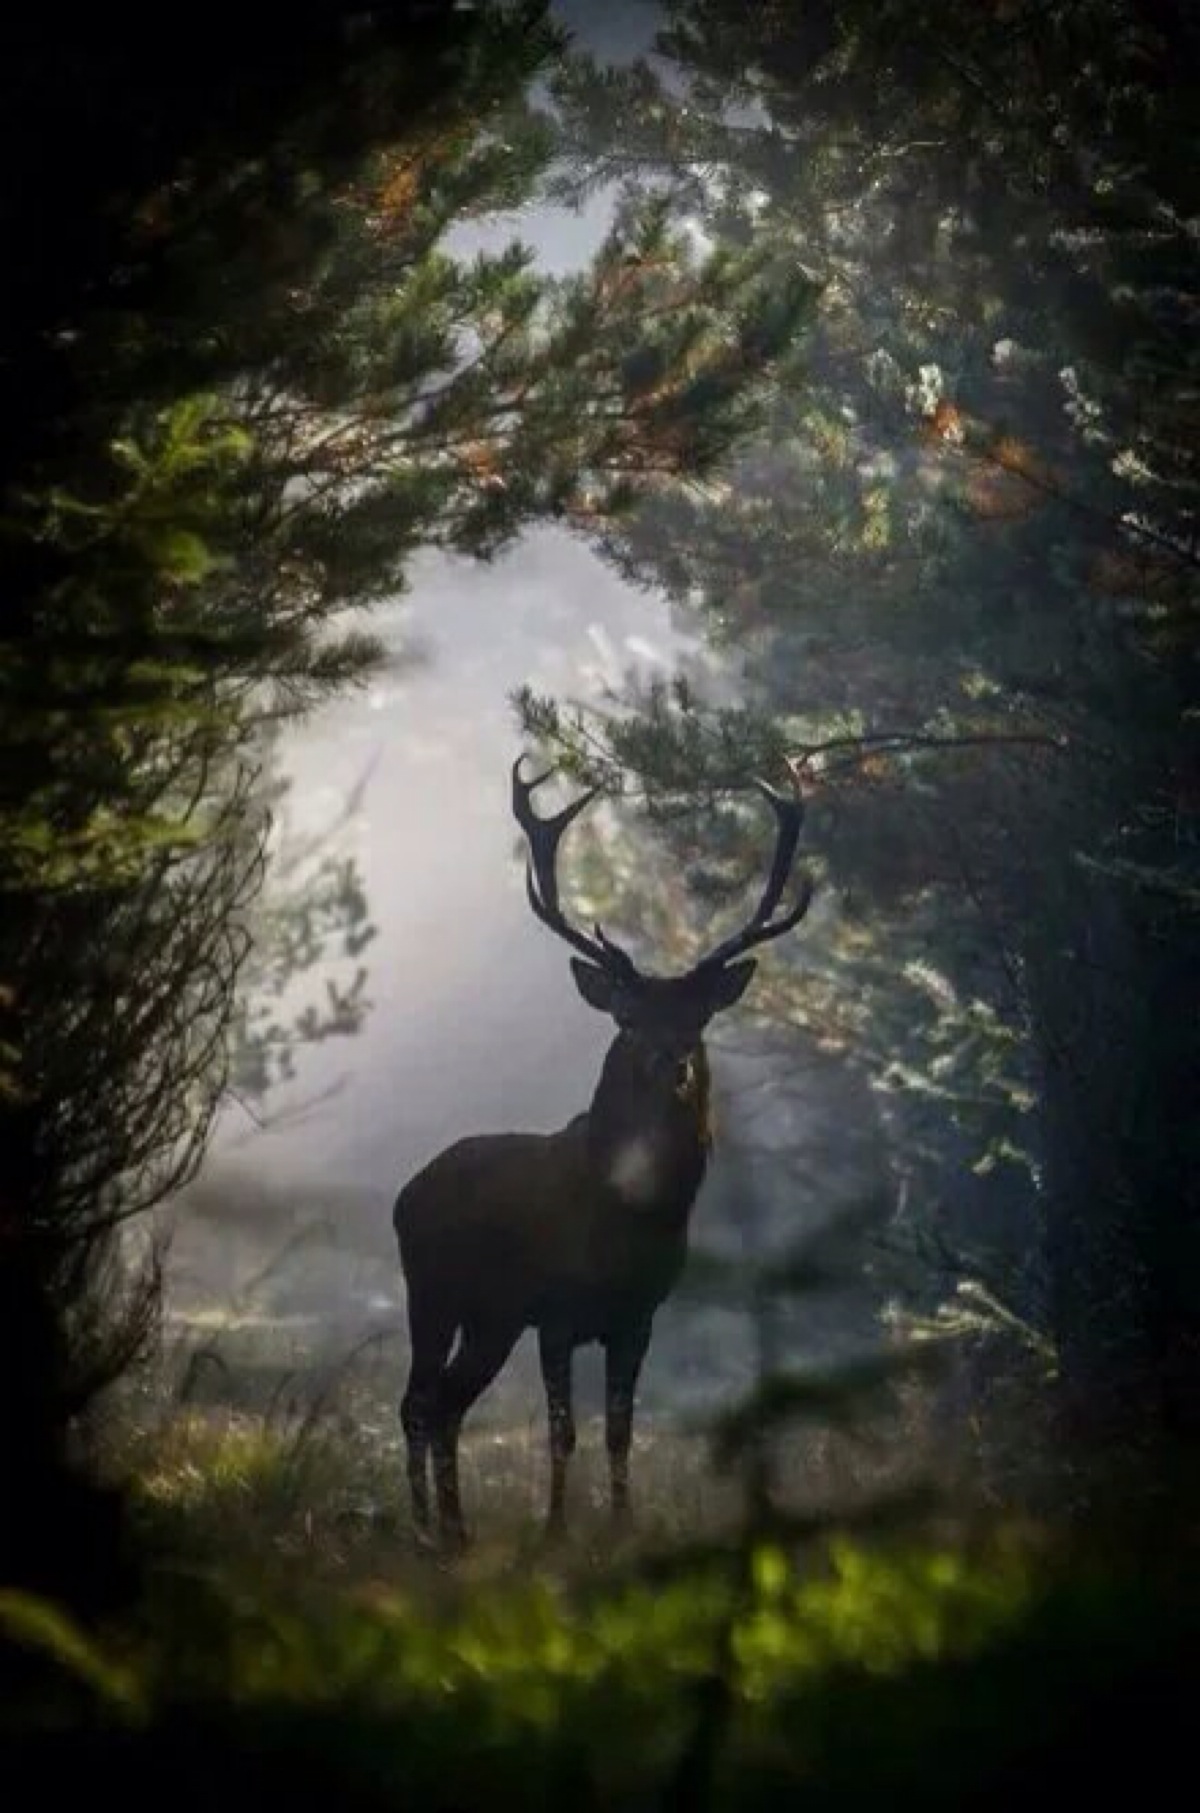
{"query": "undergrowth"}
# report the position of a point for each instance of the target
(292, 1647)
(910, 1671)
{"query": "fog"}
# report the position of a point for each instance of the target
(475, 1024)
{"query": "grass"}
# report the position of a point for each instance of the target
(292, 1647)
(270, 1457)
(918, 1673)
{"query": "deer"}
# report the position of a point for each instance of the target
(579, 1234)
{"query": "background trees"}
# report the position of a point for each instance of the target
(241, 380)
(245, 372)
(956, 577)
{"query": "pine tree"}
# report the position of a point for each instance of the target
(246, 381)
(976, 522)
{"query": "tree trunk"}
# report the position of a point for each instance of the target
(1114, 1016)
(60, 1533)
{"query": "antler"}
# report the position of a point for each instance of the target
(541, 880)
(759, 928)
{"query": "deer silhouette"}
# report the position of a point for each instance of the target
(580, 1234)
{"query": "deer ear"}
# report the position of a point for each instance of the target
(595, 985)
(730, 984)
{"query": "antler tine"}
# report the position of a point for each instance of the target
(789, 814)
(543, 836)
(761, 927)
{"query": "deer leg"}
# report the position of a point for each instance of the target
(624, 1355)
(480, 1355)
(432, 1337)
(556, 1355)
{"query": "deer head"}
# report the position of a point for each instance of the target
(662, 1018)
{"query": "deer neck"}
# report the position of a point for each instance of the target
(648, 1140)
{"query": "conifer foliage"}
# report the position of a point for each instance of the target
(244, 374)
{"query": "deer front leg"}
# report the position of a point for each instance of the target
(416, 1416)
(432, 1333)
(555, 1351)
(625, 1352)
(481, 1353)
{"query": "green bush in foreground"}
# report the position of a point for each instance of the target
(916, 1675)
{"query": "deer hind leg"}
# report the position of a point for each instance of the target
(432, 1334)
(481, 1353)
(624, 1354)
(555, 1352)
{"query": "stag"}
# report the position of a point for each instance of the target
(579, 1234)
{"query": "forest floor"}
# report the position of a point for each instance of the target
(261, 1440)
(292, 1645)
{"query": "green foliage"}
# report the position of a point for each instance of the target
(38, 1627)
(251, 378)
(312, 918)
(956, 574)
(524, 1657)
(962, 1669)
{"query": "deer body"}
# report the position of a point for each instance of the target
(567, 1226)
(580, 1234)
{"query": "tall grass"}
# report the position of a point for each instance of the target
(292, 1646)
